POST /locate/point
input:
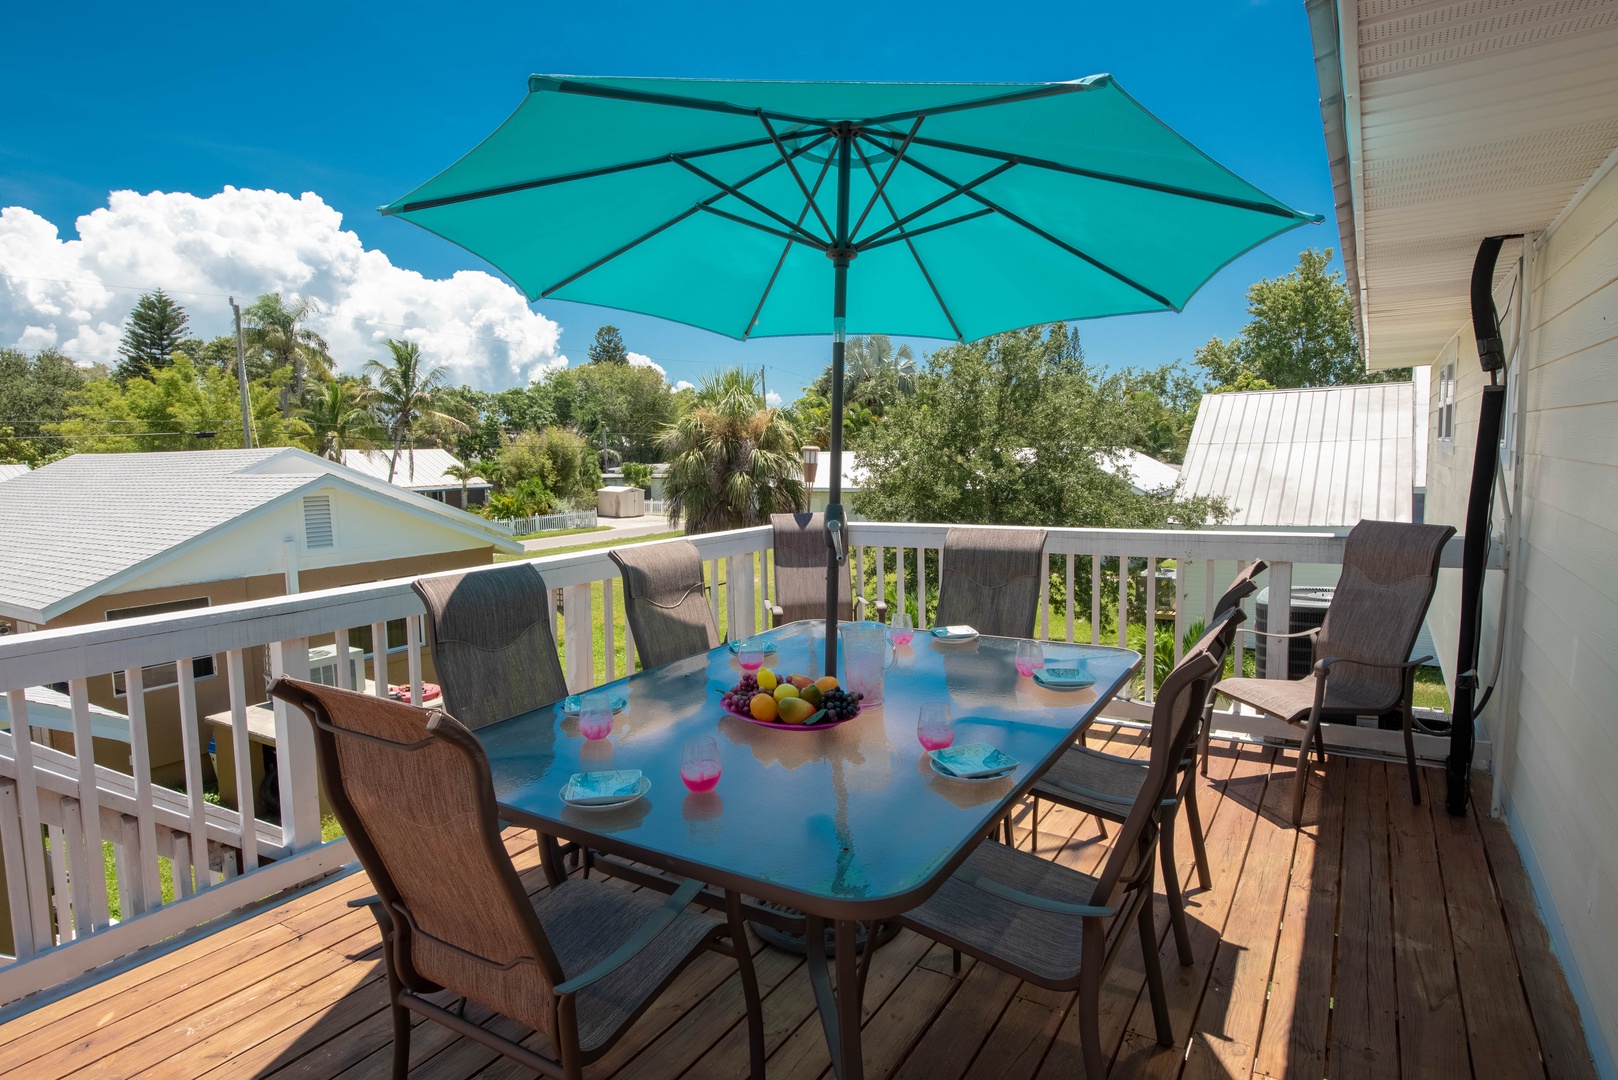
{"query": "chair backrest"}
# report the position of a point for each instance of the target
(991, 580)
(1175, 716)
(1390, 569)
(666, 602)
(800, 569)
(491, 641)
(1241, 588)
(412, 791)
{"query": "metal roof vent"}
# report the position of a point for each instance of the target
(317, 531)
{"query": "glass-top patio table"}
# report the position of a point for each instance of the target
(847, 824)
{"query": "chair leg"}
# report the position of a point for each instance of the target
(1033, 828)
(1199, 845)
(1102, 826)
(750, 994)
(1410, 753)
(1089, 1003)
(1302, 783)
(1171, 889)
(1154, 977)
(401, 1030)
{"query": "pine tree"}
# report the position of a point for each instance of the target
(608, 347)
(155, 329)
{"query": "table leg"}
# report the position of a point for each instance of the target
(840, 1005)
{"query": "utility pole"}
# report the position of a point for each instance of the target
(763, 387)
(604, 446)
(241, 379)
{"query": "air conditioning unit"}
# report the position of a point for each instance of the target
(323, 666)
(1308, 611)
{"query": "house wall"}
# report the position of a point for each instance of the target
(1555, 728)
(213, 694)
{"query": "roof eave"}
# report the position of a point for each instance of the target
(1335, 36)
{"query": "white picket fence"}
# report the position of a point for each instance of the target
(571, 519)
(53, 824)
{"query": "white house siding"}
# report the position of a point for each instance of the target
(1557, 737)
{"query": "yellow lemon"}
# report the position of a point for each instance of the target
(785, 690)
(766, 679)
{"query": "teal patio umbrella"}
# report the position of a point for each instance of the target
(946, 210)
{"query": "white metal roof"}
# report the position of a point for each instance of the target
(425, 473)
(79, 526)
(1144, 472)
(1326, 457)
(1447, 122)
(11, 472)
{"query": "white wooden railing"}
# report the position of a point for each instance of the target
(54, 825)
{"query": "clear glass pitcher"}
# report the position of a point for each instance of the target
(867, 655)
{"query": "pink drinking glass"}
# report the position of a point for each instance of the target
(751, 655)
(901, 630)
(595, 715)
(934, 728)
(1030, 657)
(699, 764)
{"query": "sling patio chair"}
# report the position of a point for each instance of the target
(412, 790)
(800, 573)
(665, 601)
(1062, 929)
(991, 580)
(1362, 650)
(1107, 786)
(489, 634)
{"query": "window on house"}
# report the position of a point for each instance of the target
(159, 675)
(1446, 406)
(317, 528)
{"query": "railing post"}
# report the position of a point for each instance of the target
(1278, 619)
(577, 628)
(90, 802)
(11, 853)
(37, 899)
(295, 745)
(140, 763)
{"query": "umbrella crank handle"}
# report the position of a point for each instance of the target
(834, 537)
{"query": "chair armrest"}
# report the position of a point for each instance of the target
(1311, 632)
(378, 910)
(777, 610)
(1017, 896)
(1323, 665)
(653, 926)
(1086, 794)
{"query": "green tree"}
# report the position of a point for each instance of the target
(220, 352)
(1006, 431)
(279, 329)
(154, 329)
(34, 394)
(464, 473)
(638, 474)
(410, 400)
(561, 459)
(1300, 334)
(732, 461)
(181, 407)
(608, 347)
(1164, 402)
(635, 404)
(876, 373)
(340, 418)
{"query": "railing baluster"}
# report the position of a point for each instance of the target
(921, 585)
(1151, 629)
(295, 751)
(379, 659)
(94, 917)
(1236, 644)
(899, 574)
(12, 854)
(1096, 560)
(1180, 582)
(81, 878)
(345, 673)
(140, 763)
(242, 744)
(1210, 590)
(868, 609)
(180, 866)
(1123, 601)
(126, 865)
(609, 632)
(881, 577)
(413, 656)
(577, 638)
(1044, 597)
(61, 891)
(190, 740)
(33, 841)
(1067, 595)
(1278, 620)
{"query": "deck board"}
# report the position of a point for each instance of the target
(1296, 971)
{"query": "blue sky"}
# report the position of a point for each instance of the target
(359, 103)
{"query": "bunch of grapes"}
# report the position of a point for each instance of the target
(840, 704)
(737, 697)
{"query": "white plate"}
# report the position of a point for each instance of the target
(953, 635)
(641, 789)
(767, 649)
(1054, 684)
(969, 779)
(570, 704)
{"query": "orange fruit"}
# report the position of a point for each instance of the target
(762, 707)
(826, 682)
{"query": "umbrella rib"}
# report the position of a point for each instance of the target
(906, 234)
(914, 254)
(747, 331)
(675, 220)
(586, 174)
(1043, 235)
(781, 149)
(936, 203)
(893, 164)
(1272, 209)
(812, 242)
(583, 89)
(754, 203)
(1030, 94)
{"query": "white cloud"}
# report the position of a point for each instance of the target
(684, 385)
(74, 294)
(637, 360)
(772, 399)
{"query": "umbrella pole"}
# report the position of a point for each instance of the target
(836, 535)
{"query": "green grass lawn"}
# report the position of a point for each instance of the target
(563, 532)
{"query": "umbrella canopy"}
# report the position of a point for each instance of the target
(740, 207)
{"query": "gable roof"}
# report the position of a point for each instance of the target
(1145, 473)
(11, 472)
(426, 475)
(85, 524)
(1323, 457)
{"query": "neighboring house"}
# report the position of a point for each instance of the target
(1146, 474)
(854, 476)
(11, 472)
(1445, 124)
(421, 472)
(97, 537)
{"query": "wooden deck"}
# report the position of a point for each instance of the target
(1383, 940)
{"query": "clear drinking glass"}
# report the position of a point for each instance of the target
(595, 714)
(751, 654)
(901, 628)
(934, 728)
(699, 764)
(1030, 657)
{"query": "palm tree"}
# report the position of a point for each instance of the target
(340, 418)
(463, 473)
(408, 400)
(278, 328)
(732, 461)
